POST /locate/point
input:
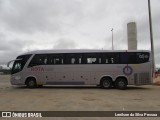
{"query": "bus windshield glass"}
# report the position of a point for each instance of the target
(19, 63)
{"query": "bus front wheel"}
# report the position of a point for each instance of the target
(121, 83)
(106, 83)
(31, 83)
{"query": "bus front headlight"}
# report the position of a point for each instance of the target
(17, 77)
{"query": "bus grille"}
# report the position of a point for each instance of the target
(142, 78)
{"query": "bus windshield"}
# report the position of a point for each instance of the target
(19, 63)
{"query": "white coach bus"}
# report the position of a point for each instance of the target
(105, 68)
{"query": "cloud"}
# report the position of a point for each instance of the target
(30, 16)
(64, 44)
(25, 16)
(10, 48)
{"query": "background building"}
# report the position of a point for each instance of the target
(132, 36)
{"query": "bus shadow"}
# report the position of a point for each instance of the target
(138, 88)
(83, 87)
(59, 87)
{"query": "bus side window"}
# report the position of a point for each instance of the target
(58, 61)
(38, 59)
(124, 58)
(128, 58)
(110, 58)
(73, 58)
(80, 60)
(142, 57)
(41, 59)
(106, 61)
(55, 59)
(92, 58)
(131, 58)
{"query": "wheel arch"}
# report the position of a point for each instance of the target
(28, 77)
(106, 76)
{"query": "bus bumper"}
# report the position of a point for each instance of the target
(16, 80)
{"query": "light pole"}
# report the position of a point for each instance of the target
(151, 35)
(112, 39)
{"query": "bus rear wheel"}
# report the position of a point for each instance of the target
(31, 83)
(121, 83)
(106, 83)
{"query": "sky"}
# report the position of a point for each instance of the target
(27, 25)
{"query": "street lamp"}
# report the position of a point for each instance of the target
(151, 36)
(112, 39)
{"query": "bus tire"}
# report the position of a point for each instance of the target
(121, 83)
(106, 83)
(31, 83)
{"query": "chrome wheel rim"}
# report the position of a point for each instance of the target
(31, 83)
(106, 83)
(121, 84)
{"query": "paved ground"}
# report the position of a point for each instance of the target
(81, 98)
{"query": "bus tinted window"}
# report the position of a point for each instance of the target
(128, 58)
(124, 58)
(142, 57)
(73, 58)
(110, 58)
(91, 58)
(38, 59)
(131, 58)
(134, 57)
(54, 59)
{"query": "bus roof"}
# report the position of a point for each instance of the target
(79, 51)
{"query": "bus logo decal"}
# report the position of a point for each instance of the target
(127, 70)
(37, 69)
